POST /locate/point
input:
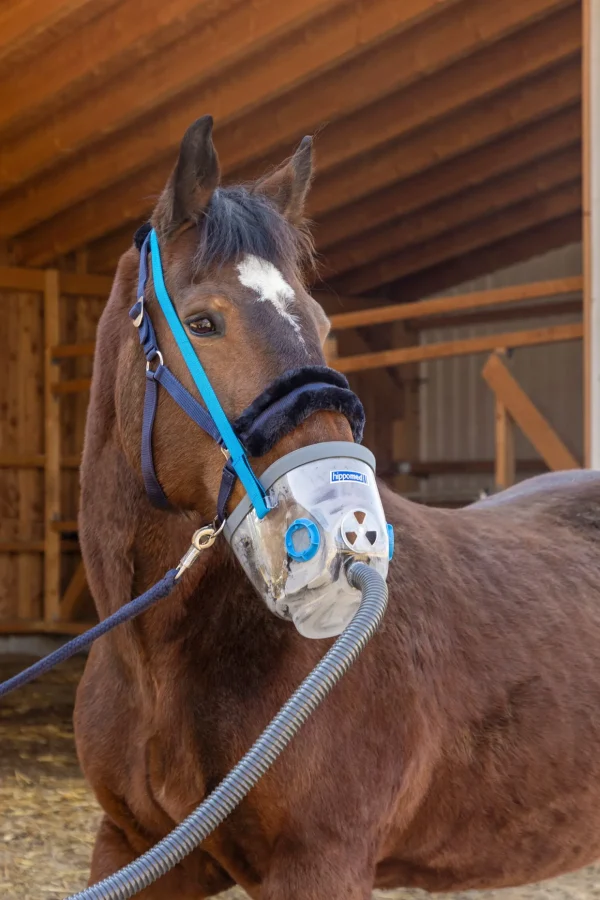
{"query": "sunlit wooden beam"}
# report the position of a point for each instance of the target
(438, 306)
(24, 22)
(201, 54)
(122, 36)
(128, 200)
(550, 334)
(284, 65)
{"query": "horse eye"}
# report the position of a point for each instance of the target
(202, 326)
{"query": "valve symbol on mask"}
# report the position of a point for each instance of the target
(359, 531)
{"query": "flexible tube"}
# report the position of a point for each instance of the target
(145, 870)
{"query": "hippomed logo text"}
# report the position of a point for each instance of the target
(356, 477)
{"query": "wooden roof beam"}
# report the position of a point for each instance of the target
(519, 247)
(538, 177)
(118, 39)
(519, 217)
(450, 177)
(333, 33)
(25, 21)
(428, 99)
(488, 70)
(469, 170)
(332, 191)
(359, 82)
(128, 201)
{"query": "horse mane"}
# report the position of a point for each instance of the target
(240, 221)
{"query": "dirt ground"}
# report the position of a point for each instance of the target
(48, 816)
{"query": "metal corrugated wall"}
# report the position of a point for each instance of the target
(456, 406)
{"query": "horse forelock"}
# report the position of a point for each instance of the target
(240, 222)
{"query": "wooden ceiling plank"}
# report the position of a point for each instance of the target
(189, 62)
(23, 21)
(488, 70)
(468, 127)
(332, 39)
(419, 55)
(396, 63)
(537, 177)
(478, 233)
(469, 170)
(407, 114)
(476, 124)
(456, 174)
(506, 252)
(521, 247)
(121, 37)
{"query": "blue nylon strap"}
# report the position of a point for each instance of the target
(188, 404)
(239, 460)
(153, 487)
(228, 479)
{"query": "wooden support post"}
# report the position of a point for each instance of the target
(504, 465)
(52, 449)
(29, 439)
(532, 423)
(505, 468)
(591, 231)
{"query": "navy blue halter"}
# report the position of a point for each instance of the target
(282, 406)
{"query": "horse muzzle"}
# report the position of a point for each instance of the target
(325, 512)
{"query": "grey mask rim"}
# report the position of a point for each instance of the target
(338, 449)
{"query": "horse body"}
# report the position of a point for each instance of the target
(460, 751)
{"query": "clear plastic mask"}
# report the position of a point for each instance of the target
(326, 511)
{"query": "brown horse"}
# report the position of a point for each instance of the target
(463, 748)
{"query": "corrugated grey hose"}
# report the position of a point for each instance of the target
(149, 867)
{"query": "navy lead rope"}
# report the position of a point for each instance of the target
(124, 614)
(132, 609)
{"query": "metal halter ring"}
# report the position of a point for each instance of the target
(205, 537)
(161, 361)
(202, 540)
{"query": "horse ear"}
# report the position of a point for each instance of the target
(289, 184)
(192, 181)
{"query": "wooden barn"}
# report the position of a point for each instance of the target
(458, 154)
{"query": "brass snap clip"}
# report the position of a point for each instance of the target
(201, 540)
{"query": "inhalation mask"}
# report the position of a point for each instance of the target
(325, 511)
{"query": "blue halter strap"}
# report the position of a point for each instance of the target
(285, 403)
(212, 419)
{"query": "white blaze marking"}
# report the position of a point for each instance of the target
(268, 282)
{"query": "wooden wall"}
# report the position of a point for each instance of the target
(41, 437)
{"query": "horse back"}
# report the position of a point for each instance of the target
(572, 497)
